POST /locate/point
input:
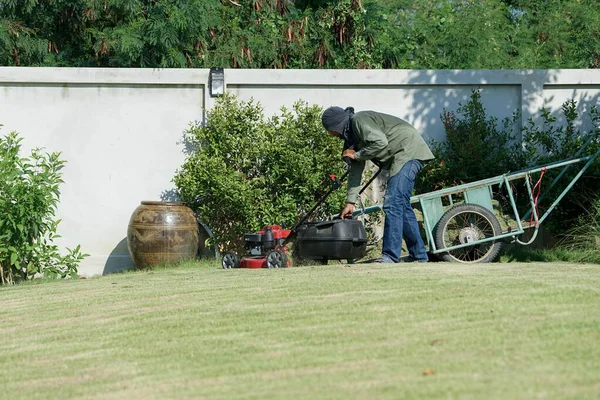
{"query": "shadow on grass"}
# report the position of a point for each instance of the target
(119, 259)
(182, 265)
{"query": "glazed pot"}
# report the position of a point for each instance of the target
(162, 233)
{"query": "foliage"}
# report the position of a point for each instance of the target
(112, 33)
(555, 33)
(29, 195)
(426, 34)
(245, 171)
(19, 44)
(179, 34)
(560, 139)
(584, 238)
(553, 140)
(448, 34)
(475, 148)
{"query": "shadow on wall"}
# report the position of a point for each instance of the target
(425, 106)
(189, 146)
(169, 195)
(119, 259)
(585, 102)
(207, 246)
(526, 92)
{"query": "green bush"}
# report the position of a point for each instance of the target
(29, 195)
(550, 142)
(244, 171)
(474, 148)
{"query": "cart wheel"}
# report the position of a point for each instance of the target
(230, 260)
(466, 223)
(276, 259)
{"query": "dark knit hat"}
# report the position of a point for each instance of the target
(337, 119)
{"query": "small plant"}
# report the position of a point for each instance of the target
(29, 195)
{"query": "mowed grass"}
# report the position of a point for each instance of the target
(363, 331)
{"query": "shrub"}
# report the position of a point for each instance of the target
(29, 195)
(550, 142)
(244, 171)
(474, 148)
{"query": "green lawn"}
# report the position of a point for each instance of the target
(509, 331)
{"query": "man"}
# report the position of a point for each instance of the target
(392, 144)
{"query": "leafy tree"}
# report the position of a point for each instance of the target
(19, 45)
(490, 34)
(450, 34)
(162, 33)
(302, 34)
(558, 34)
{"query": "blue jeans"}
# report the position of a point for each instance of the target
(400, 220)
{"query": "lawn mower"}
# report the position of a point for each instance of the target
(335, 239)
(266, 249)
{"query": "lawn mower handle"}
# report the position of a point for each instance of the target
(322, 199)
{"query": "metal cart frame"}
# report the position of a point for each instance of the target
(477, 208)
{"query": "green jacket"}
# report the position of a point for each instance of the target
(386, 140)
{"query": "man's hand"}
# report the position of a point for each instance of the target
(349, 153)
(347, 211)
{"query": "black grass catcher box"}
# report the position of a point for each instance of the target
(338, 239)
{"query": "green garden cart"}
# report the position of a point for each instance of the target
(463, 223)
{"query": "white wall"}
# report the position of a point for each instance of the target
(120, 130)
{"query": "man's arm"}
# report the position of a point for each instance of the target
(354, 180)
